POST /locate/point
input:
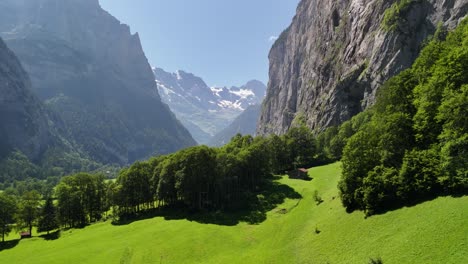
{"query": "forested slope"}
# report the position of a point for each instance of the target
(413, 144)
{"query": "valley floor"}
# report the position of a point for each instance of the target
(298, 231)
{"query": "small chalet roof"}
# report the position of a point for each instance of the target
(303, 170)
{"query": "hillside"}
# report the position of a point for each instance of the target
(329, 64)
(431, 232)
(24, 124)
(245, 124)
(88, 67)
(32, 138)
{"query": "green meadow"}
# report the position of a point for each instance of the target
(297, 231)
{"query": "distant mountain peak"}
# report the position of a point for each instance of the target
(209, 109)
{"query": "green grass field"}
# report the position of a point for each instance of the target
(431, 232)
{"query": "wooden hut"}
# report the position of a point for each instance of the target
(301, 174)
(25, 235)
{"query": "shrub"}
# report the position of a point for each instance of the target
(318, 200)
(376, 261)
(394, 15)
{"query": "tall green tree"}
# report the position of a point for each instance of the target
(29, 210)
(81, 199)
(7, 213)
(301, 146)
(48, 217)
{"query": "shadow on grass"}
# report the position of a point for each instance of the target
(259, 204)
(414, 201)
(8, 244)
(52, 236)
(308, 178)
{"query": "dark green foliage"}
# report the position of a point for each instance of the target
(300, 146)
(295, 149)
(17, 166)
(235, 178)
(379, 189)
(48, 217)
(43, 187)
(200, 178)
(81, 199)
(360, 156)
(419, 174)
(376, 260)
(195, 181)
(331, 142)
(453, 113)
(394, 16)
(7, 213)
(396, 94)
(327, 151)
(317, 198)
(279, 156)
(135, 187)
(29, 210)
(54, 162)
(415, 144)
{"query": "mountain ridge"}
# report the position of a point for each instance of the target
(88, 68)
(205, 110)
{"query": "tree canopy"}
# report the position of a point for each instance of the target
(415, 145)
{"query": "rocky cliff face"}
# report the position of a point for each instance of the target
(205, 110)
(24, 123)
(329, 64)
(92, 71)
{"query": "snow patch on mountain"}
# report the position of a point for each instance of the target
(231, 105)
(207, 109)
(243, 93)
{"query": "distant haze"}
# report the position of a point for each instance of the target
(227, 42)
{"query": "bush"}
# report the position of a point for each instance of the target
(379, 189)
(419, 174)
(317, 198)
(376, 261)
(394, 16)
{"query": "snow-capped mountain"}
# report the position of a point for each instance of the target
(240, 98)
(205, 110)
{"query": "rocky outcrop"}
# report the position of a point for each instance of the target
(329, 64)
(92, 71)
(24, 123)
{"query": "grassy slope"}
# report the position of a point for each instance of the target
(432, 232)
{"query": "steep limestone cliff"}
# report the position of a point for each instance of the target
(92, 71)
(329, 64)
(23, 121)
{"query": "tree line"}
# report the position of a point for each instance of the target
(212, 178)
(197, 178)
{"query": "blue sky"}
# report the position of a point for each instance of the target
(226, 42)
